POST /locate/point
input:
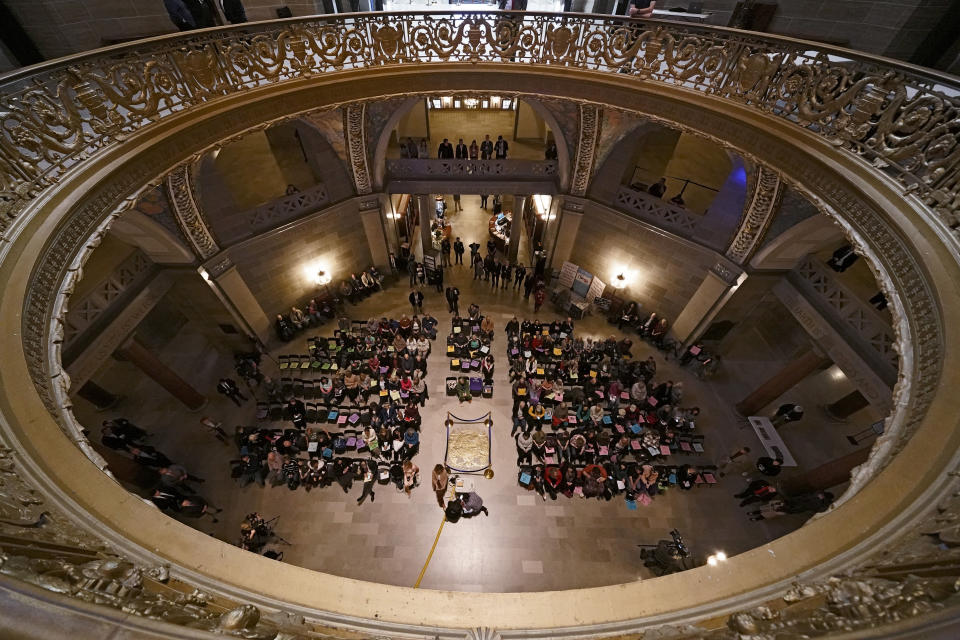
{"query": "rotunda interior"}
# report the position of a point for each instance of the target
(470, 333)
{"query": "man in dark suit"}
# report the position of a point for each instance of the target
(486, 148)
(462, 150)
(445, 150)
(500, 148)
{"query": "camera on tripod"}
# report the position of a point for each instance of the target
(667, 556)
(256, 532)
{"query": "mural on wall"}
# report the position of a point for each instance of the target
(615, 126)
(378, 113)
(155, 204)
(329, 123)
(794, 208)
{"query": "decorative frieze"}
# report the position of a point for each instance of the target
(180, 188)
(763, 205)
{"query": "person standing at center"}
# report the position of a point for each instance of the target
(486, 148)
(474, 150)
(439, 482)
(461, 151)
(458, 250)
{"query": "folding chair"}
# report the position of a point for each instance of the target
(286, 384)
(263, 410)
(297, 387)
(276, 411)
(697, 443)
(312, 412)
(685, 445)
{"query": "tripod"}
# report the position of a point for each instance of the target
(269, 532)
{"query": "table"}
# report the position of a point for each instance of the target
(771, 440)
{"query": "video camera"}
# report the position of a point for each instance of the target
(681, 548)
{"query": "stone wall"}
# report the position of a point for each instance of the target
(280, 267)
(663, 272)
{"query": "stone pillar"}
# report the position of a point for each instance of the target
(97, 395)
(233, 291)
(781, 382)
(516, 227)
(714, 292)
(142, 358)
(826, 475)
(425, 204)
(847, 405)
(370, 216)
(570, 219)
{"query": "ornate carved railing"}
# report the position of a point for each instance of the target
(903, 120)
(458, 169)
(285, 209)
(851, 311)
(85, 311)
(656, 211)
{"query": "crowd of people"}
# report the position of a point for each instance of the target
(352, 405)
(589, 421)
(469, 347)
(487, 149)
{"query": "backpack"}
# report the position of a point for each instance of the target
(453, 511)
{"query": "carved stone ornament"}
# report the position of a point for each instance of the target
(763, 205)
(355, 128)
(590, 116)
(180, 188)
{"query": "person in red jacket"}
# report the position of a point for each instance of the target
(552, 480)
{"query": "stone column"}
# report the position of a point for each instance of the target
(847, 405)
(782, 381)
(826, 475)
(142, 358)
(570, 218)
(516, 227)
(714, 292)
(97, 395)
(425, 204)
(370, 216)
(233, 291)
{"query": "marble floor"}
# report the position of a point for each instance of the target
(525, 544)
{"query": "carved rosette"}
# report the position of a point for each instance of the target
(586, 148)
(763, 205)
(355, 128)
(180, 189)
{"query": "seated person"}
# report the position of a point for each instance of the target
(463, 389)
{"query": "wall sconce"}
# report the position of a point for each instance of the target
(323, 278)
(716, 558)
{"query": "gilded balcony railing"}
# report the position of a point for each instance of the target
(902, 120)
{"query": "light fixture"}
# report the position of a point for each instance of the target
(716, 558)
(323, 278)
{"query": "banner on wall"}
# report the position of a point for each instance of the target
(567, 273)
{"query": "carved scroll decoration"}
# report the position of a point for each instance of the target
(764, 203)
(355, 128)
(189, 217)
(586, 148)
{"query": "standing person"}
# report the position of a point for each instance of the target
(445, 245)
(477, 266)
(736, 460)
(229, 388)
(500, 148)
(786, 413)
(234, 12)
(416, 300)
(458, 250)
(456, 203)
(440, 479)
(445, 150)
(658, 189)
(410, 476)
(455, 300)
(518, 277)
(495, 273)
(474, 150)
(180, 16)
(367, 473)
(412, 270)
(438, 279)
(461, 150)
(486, 148)
(412, 151)
(474, 249)
(528, 286)
(538, 297)
(483, 200)
(506, 273)
(423, 151)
